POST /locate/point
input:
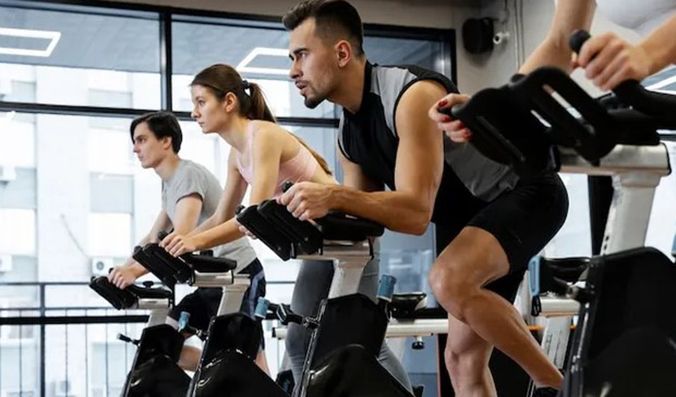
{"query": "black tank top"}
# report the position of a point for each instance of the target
(369, 139)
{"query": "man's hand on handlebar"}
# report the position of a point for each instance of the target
(178, 244)
(440, 114)
(308, 200)
(123, 276)
(609, 60)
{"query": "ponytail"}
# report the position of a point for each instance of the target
(258, 108)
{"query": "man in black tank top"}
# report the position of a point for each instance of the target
(488, 220)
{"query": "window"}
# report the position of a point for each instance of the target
(117, 62)
(77, 190)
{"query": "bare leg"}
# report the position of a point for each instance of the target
(467, 356)
(190, 358)
(262, 362)
(471, 261)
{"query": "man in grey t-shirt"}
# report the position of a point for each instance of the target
(190, 196)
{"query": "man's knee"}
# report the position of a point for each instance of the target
(451, 286)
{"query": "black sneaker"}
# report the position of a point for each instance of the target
(545, 392)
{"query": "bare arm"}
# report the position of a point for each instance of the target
(353, 176)
(123, 276)
(233, 194)
(661, 46)
(570, 15)
(418, 171)
(266, 169)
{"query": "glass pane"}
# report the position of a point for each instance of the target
(17, 231)
(574, 238)
(79, 56)
(17, 139)
(260, 54)
(399, 51)
(109, 234)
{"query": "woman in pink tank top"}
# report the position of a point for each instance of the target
(263, 155)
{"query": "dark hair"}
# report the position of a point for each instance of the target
(332, 17)
(162, 124)
(221, 79)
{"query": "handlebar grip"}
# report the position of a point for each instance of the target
(577, 39)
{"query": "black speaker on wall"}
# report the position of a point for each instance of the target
(477, 35)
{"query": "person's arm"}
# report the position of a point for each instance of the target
(661, 46)
(609, 60)
(569, 16)
(266, 162)
(418, 172)
(233, 194)
(125, 275)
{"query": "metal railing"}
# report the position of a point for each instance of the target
(64, 345)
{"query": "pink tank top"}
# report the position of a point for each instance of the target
(299, 168)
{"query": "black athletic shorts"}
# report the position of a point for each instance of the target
(523, 220)
(202, 304)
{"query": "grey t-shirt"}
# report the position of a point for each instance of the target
(192, 178)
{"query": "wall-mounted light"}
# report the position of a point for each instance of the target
(52, 36)
(243, 66)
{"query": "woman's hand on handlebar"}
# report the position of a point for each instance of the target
(244, 230)
(440, 114)
(609, 60)
(177, 244)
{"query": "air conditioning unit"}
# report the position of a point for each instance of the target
(7, 173)
(5, 263)
(100, 266)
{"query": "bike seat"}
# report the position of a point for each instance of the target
(405, 305)
(566, 269)
(553, 275)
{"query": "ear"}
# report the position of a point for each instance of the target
(229, 102)
(166, 142)
(343, 52)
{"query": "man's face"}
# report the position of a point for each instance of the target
(314, 64)
(149, 150)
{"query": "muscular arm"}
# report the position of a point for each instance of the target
(570, 15)
(417, 172)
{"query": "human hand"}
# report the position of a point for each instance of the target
(453, 128)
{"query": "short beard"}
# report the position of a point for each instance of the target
(312, 103)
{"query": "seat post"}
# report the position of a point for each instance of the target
(350, 259)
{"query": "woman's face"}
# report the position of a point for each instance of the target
(208, 110)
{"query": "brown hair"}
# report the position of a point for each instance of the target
(221, 79)
(333, 18)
